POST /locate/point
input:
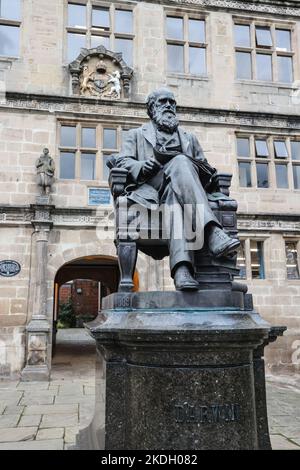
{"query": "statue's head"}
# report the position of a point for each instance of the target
(46, 152)
(161, 108)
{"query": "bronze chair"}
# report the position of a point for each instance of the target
(210, 272)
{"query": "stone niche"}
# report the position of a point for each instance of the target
(99, 73)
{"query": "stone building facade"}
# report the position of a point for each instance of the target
(234, 67)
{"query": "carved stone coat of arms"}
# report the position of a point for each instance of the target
(101, 74)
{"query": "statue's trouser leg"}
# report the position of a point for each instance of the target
(173, 220)
(185, 188)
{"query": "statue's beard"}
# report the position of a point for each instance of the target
(165, 121)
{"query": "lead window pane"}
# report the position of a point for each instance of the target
(296, 174)
(243, 65)
(101, 18)
(295, 147)
(257, 260)
(261, 148)
(174, 28)
(197, 63)
(175, 58)
(262, 171)
(88, 137)
(283, 40)
(109, 138)
(10, 9)
(126, 47)
(76, 15)
(280, 149)
(68, 136)
(196, 31)
(285, 69)
(292, 264)
(242, 35)
(245, 174)
(264, 67)
(75, 43)
(281, 176)
(241, 261)
(243, 147)
(263, 37)
(67, 165)
(9, 40)
(100, 41)
(87, 166)
(124, 21)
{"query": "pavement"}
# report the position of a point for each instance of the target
(48, 415)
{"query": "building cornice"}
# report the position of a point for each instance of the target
(290, 8)
(70, 107)
(83, 217)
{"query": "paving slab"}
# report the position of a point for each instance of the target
(9, 421)
(10, 396)
(36, 400)
(51, 444)
(50, 433)
(61, 420)
(32, 386)
(69, 399)
(14, 410)
(282, 443)
(70, 434)
(33, 420)
(51, 409)
(17, 434)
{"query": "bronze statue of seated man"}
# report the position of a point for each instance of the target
(166, 165)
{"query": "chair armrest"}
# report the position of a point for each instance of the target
(117, 181)
(221, 182)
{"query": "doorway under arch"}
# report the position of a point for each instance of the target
(88, 280)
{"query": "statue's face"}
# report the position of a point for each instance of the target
(164, 113)
(166, 104)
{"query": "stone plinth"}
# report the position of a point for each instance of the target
(177, 378)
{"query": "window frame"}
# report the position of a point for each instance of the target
(246, 241)
(271, 160)
(99, 150)
(297, 243)
(91, 31)
(186, 43)
(273, 51)
(16, 24)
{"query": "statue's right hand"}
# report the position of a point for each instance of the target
(151, 167)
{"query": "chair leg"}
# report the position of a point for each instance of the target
(127, 254)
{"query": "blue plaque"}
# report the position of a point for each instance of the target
(99, 196)
(9, 268)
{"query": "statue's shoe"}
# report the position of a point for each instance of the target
(220, 244)
(184, 280)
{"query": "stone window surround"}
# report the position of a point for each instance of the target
(273, 24)
(186, 14)
(89, 31)
(297, 242)
(99, 151)
(17, 23)
(271, 160)
(247, 251)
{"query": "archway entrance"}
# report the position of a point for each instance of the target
(79, 287)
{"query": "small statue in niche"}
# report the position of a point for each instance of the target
(45, 167)
(115, 90)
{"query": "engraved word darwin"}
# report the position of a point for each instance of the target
(210, 414)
